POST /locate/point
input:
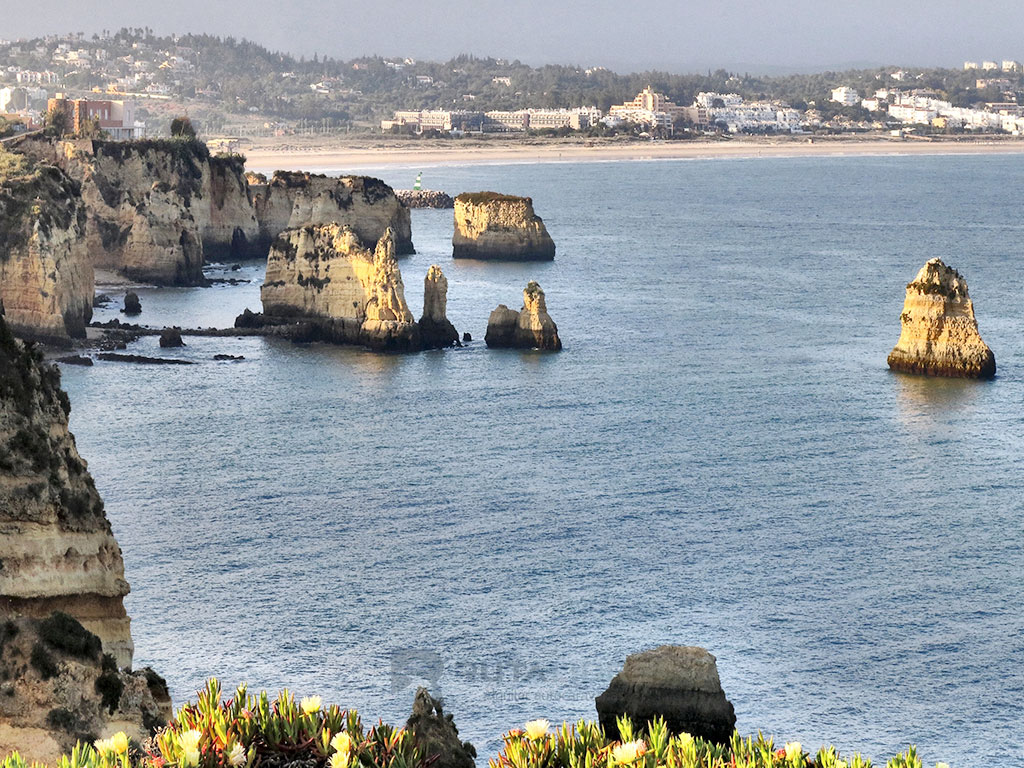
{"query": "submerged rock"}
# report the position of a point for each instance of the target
(530, 328)
(171, 337)
(678, 683)
(435, 733)
(499, 227)
(939, 334)
(132, 305)
(436, 332)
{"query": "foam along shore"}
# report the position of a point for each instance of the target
(267, 156)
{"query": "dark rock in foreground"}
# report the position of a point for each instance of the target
(171, 337)
(75, 360)
(678, 683)
(113, 357)
(437, 735)
(132, 305)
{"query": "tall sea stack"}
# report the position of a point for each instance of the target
(939, 335)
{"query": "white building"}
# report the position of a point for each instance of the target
(970, 65)
(845, 95)
(1011, 66)
(989, 65)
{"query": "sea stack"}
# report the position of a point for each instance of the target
(678, 683)
(490, 226)
(323, 276)
(939, 335)
(530, 328)
(436, 332)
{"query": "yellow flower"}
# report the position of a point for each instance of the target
(342, 743)
(237, 755)
(189, 740)
(843, 764)
(190, 757)
(794, 750)
(310, 704)
(684, 739)
(629, 752)
(104, 745)
(339, 760)
(120, 742)
(537, 729)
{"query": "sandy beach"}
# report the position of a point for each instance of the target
(267, 155)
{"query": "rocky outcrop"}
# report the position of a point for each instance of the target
(939, 335)
(60, 688)
(46, 279)
(424, 198)
(56, 546)
(678, 683)
(435, 733)
(365, 205)
(499, 227)
(132, 305)
(322, 273)
(530, 328)
(436, 332)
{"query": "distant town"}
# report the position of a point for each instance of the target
(130, 83)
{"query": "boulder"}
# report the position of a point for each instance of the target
(436, 734)
(171, 337)
(436, 332)
(678, 683)
(939, 334)
(497, 227)
(132, 305)
(530, 328)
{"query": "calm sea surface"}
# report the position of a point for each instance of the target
(720, 457)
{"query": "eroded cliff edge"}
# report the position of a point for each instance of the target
(46, 281)
(939, 333)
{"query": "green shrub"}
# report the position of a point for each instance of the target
(64, 633)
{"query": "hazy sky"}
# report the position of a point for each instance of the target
(624, 35)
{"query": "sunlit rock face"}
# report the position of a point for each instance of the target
(322, 272)
(939, 334)
(367, 206)
(436, 332)
(56, 545)
(499, 227)
(530, 328)
(46, 278)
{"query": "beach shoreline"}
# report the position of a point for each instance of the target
(268, 155)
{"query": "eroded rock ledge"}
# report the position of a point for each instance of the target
(939, 334)
(499, 227)
(530, 328)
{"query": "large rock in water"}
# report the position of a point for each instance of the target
(939, 334)
(499, 227)
(678, 683)
(56, 546)
(352, 295)
(436, 331)
(437, 735)
(46, 277)
(530, 328)
(365, 205)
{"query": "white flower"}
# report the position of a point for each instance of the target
(537, 729)
(237, 755)
(310, 704)
(794, 750)
(629, 752)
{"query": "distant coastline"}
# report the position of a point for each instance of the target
(266, 155)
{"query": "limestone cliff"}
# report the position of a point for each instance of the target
(56, 547)
(366, 205)
(939, 334)
(61, 688)
(436, 332)
(499, 227)
(46, 280)
(153, 206)
(323, 272)
(530, 328)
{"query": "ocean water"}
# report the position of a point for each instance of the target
(719, 457)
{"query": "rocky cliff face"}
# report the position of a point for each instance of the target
(531, 327)
(61, 688)
(56, 546)
(678, 683)
(939, 335)
(323, 272)
(365, 205)
(46, 280)
(436, 332)
(499, 227)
